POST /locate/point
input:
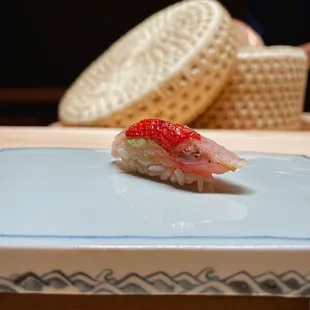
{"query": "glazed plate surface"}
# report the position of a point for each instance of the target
(72, 222)
(64, 198)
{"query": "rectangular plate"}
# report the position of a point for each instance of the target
(77, 205)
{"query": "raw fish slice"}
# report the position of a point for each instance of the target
(173, 152)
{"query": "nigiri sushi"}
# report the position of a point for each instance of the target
(173, 152)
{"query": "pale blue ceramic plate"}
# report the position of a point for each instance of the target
(62, 197)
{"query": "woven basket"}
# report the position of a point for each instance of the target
(171, 66)
(266, 91)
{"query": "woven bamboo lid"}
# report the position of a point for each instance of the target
(266, 91)
(170, 66)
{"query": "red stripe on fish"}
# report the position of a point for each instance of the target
(166, 134)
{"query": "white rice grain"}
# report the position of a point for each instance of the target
(191, 177)
(141, 168)
(166, 175)
(144, 160)
(200, 184)
(166, 162)
(132, 165)
(156, 169)
(123, 154)
(173, 178)
(180, 176)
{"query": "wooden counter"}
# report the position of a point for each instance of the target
(257, 141)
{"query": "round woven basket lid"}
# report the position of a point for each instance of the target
(170, 66)
(266, 91)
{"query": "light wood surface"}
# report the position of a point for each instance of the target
(281, 142)
(257, 141)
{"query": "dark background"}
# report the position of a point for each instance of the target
(48, 43)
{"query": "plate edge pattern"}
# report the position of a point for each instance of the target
(290, 283)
